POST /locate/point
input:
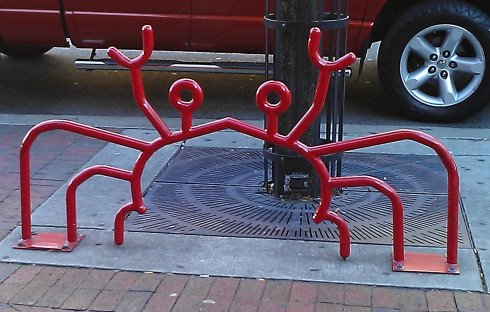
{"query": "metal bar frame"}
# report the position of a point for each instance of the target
(415, 262)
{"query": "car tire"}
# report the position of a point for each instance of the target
(434, 61)
(21, 51)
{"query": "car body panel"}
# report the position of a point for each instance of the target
(216, 25)
(212, 25)
(99, 24)
(34, 23)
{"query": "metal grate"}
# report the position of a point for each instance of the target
(217, 191)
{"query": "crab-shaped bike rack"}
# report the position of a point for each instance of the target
(401, 261)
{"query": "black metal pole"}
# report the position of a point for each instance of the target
(293, 67)
(291, 22)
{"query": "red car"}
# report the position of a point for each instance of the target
(432, 59)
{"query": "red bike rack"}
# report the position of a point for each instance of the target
(415, 262)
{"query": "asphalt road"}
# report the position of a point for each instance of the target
(51, 85)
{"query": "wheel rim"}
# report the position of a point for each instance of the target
(442, 65)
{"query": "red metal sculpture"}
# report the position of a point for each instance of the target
(401, 261)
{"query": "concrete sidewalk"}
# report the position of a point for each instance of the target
(57, 287)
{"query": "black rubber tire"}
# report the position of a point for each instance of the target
(408, 25)
(21, 51)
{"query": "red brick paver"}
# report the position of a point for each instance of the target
(107, 300)
(126, 291)
(486, 301)
(147, 281)
(30, 294)
(122, 281)
(357, 295)
(225, 287)
(467, 301)
(173, 284)
(8, 291)
(217, 303)
(304, 292)
(72, 278)
(329, 307)
(385, 297)
(97, 279)
(55, 297)
(441, 301)
(356, 309)
(273, 306)
(81, 299)
(50, 276)
(277, 290)
(161, 302)
(24, 275)
(133, 301)
(300, 306)
(413, 300)
(331, 293)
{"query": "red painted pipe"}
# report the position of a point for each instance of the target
(24, 154)
(312, 154)
(396, 205)
(441, 151)
(84, 175)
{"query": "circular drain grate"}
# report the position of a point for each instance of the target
(216, 191)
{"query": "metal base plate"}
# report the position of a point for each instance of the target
(48, 241)
(425, 263)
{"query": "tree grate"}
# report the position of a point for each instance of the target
(217, 191)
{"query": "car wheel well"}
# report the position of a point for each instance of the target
(394, 8)
(415, 55)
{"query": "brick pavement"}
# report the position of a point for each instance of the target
(48, 288)
(45, 288)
